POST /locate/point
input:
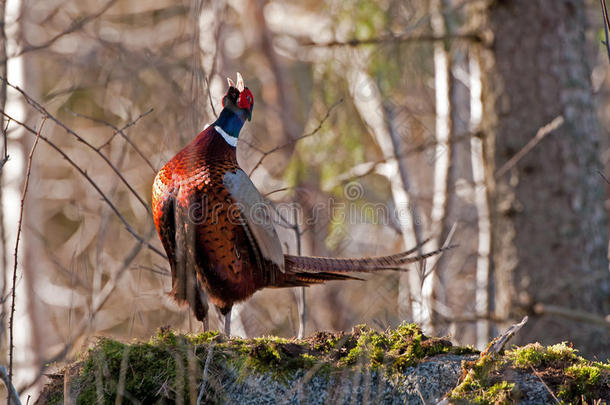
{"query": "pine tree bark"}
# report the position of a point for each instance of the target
(549, 240)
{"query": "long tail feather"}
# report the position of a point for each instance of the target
(366, 265)
(305, 279)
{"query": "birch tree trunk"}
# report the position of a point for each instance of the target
(443, 131)
(416, 296)
(547, 217)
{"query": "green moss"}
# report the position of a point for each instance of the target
(570, 377)
(535, 355)
(584, 378)
(395, 350)
(163, 368)
(500, 393)
(204, 337)
(482, 385)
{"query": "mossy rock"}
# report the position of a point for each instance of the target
(396, 366)
(365, 365)
(534, 374)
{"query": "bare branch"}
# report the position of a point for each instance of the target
(3, 162)
(12, 392)
(121, 131)
(292, 142)
(92, 183)
(46, 113)
(542, 132)
(497, 345)
(545, 385)
(19, 222)
(206, 367)
(573, 314)
(606, 26)
(394, 38)
(76, 25)
(207, 83)
(97, 304)
(603, 177)
(5, 156)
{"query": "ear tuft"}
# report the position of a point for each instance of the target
(240, 82)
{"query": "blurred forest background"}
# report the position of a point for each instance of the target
(377, 124)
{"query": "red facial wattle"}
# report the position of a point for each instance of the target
(246, 101)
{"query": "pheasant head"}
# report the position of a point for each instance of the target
(237, 104)
(239, 98)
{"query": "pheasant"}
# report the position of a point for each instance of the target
(216, 227)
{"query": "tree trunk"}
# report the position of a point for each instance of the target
(547, 216)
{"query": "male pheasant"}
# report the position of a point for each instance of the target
(215, 226)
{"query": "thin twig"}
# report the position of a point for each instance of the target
(206, 367)
(76, 25)
(301, 293)
(38, 107)
(473, 37)
(421, 397)
(97, 303)
(292, 142)
(207, 83)
(606, 25)
(5, 157)
(277, 191)
(546, 386)
(19, 222)
(445, 245)
(603, 177)
(121, 131)
(92, 183)
(12, 392)
(542, 132)
(573, 314)
(220, 21)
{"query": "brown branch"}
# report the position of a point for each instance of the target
(207, 83)
(603, 177)
(12, 392)
(38, 107)
(497, 345)
(292, 142)
(545, 385)
(149, 17)
(573, 314)
(475, 318)
(92, 183)
(76, 25)
(121, 131)
(97, 304)
(206, 367)
(19, 222)
(5, 156)
(606, 26)
(371, 167)
(208, 78)
(394, 38)
(542, 132)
